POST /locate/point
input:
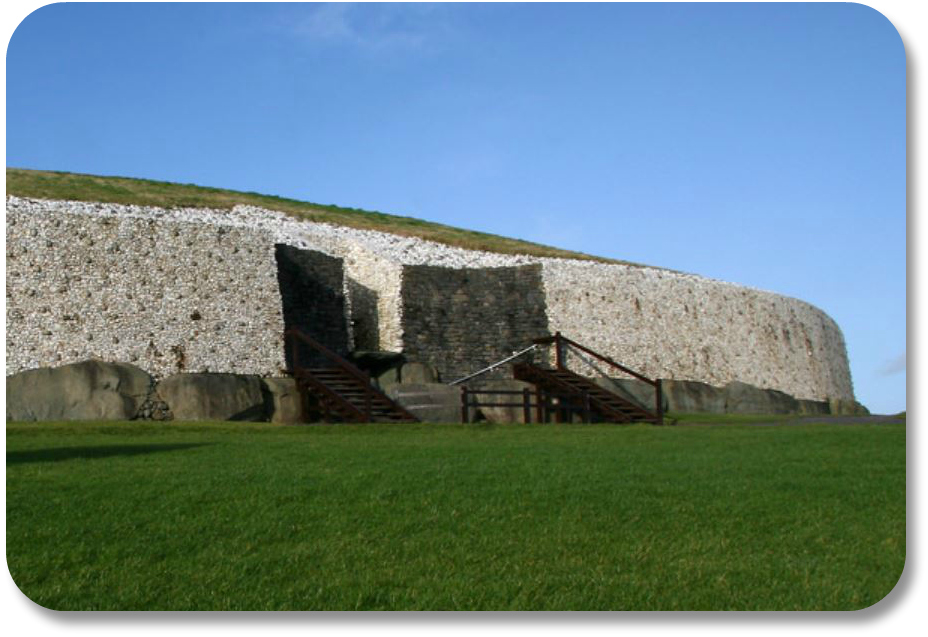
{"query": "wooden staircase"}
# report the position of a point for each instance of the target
(334, 390)
(586, 396)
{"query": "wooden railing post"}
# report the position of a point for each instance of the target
(586, 406)
(561, 343)
(296, 340)
(526, 406)
(659, 392)
(465, 415)
(368, 397)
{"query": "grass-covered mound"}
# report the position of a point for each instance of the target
(41, 184)
(239, 516)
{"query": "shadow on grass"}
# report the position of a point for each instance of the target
(58, 454)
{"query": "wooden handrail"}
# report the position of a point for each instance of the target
(294, 333)
(541, 404)
(332, 394)
(322, 349)
(558, 338)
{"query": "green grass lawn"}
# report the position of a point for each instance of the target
(250, 516)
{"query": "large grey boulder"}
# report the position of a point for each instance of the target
(814, 407)
(89, 390)
(429, 402)
(214, 397)
(412, 373)
(416, 373)
(742, 398)
(388, 378)
(635, 391)
(284, 400)
(497, 412)
(841, 407)
(689, 396)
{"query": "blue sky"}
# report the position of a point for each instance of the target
(761, 144)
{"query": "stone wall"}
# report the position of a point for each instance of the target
(463, 320)
(373, 285)
(167, 296)
(199, 290)
(678, 326)
(312, 291)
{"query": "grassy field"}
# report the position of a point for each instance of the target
(41, 184)
(252, 516)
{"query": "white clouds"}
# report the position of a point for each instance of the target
(893, 367)
(327, 22)
(375, 28)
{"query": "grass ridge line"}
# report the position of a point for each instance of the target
(57, 185)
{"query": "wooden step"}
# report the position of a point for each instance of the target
(601, 401)
(346, 397)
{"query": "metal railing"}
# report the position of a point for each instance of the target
(490, 368)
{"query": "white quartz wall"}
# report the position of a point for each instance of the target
(167, 295)
(122, 283)
(374, 285)
(670, 325)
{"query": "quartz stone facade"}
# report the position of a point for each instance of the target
(212, 290)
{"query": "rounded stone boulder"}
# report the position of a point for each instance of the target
(689, 396)
(88, 390)
(284, 400)
(416, 373)
(634, 391)
(210, 396)
(429, 402)
(742, 398)
(840, 407)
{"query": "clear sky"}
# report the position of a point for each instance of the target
(763, 144)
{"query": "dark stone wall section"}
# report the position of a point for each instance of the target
(460, 321)
(313, 298)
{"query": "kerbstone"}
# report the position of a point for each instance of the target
(416, 373)
(284, 400)
(742, 398)
(214, 397)
(634, 391)
(814, 407)
(388, 378)
(689, 396)
(840, 407)
(88, 390)
(429, 402)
